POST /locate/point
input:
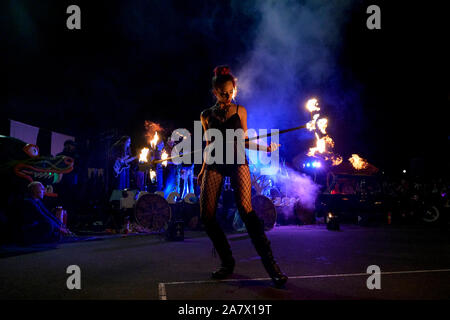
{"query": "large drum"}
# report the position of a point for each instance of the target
(265, 210)
(153, 212)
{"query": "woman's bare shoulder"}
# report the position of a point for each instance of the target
(206, 113)
(242, 111)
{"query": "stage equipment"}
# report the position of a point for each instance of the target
(190, 214)
(332, 221)
(128, 199)
(153, 212)
(313, 164)
(173, 197)
(191, 198)
(304, 215)
(175, 232)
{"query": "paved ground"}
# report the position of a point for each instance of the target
(322, 264)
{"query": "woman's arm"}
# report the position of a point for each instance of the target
(199, 177)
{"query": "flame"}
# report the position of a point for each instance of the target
(322, 125)
(321, 145)
(311, 125)
(164, 155)
(152, 175)
(154, 141)
(335, 161)
(143, 157)
(312, 105)
(325, 143)
(150, 129)
(358, 162)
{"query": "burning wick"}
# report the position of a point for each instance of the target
(154, 142)
(143, 157)
(312, 105)
(152, 175)
(164, 156)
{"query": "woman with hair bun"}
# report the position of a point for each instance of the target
(222, 116)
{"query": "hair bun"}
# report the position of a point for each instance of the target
(222, 71)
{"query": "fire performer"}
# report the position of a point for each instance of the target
(227, 115)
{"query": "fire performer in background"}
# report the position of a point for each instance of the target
(227, 115)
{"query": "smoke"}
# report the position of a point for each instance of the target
(299, 186)
(292, 57)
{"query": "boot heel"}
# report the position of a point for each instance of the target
(224, 271)
(255, 230)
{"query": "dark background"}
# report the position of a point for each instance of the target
(153, 60)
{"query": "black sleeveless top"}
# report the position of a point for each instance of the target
(215, 118)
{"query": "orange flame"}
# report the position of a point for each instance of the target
(312, 105)
(336, 160)
(358, 162)
(324, 143)
(311, 125)
(322, 125)
(143, 157)
(154, 141)
(152, 175)
(150, 129)
(321, 145)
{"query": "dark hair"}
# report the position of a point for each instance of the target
(69, 143)
(119, 146)
(222, 74)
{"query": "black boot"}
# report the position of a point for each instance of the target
(255, 229)
(220, 242)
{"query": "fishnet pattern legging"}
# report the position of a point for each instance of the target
(211, 188)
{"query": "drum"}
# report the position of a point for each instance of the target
(265, 210)
(159, 193)
(152, 212)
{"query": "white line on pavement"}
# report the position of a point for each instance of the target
(163, 294)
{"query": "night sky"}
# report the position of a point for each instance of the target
(153, 60)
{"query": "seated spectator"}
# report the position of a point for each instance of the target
(39, 225)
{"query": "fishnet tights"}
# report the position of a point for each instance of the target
(211, 188)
